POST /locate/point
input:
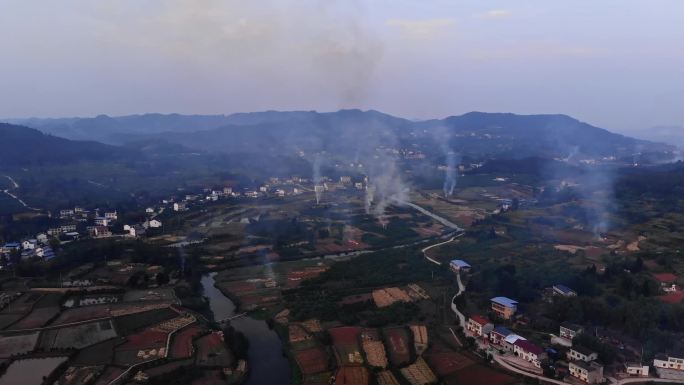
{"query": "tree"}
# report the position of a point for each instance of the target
(162, 278)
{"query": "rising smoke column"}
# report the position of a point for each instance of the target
(450, 174)
(318, 188)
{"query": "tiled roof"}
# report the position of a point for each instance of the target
(529, 347)
(480, 320)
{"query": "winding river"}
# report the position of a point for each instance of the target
(267, 363)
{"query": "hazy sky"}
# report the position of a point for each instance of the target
(616, 64)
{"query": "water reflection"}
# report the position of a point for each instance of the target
(266, 361)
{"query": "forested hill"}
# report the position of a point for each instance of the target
(26, 146)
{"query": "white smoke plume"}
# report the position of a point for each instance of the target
(450, 174)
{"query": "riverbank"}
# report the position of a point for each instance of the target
(267, 363)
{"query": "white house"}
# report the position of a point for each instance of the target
(569, 330)
(149, 210)
(29, 244)
(669, 361)
(510, 340)
(179, 206)
(42, 238)
(589, 372)
(580, 353)
(529, 352)
(112, 215)
(130, 229)
(636, 369)
(479, 325)
(155, 223)
(498, 335)
(102, 221)
(66, 213)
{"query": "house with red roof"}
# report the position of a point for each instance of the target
(667, 282)
(529, 352)
(479, 325)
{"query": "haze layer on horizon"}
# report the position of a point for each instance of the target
(616, 64)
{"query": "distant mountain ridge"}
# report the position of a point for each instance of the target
(476, 134)
(27, 146)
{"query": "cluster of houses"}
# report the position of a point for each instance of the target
(581, 361)
(38, 247)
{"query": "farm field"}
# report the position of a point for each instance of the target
(374, 348)
(142, 346)
(357, 375)
(445, 361)
(37, 318)
(128, 324)
(8, 319)
(109, 374)
(99, 354)
(149, 295)
(166, 368)
(181, 344)
(346, 344)
(419, 373)
(317, 379)
(76, 375)
(82, 314)
(397, 342)
(17, 344)
(211, 351)
(311, 361)
(78, 336)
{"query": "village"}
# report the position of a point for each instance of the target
(496, 344)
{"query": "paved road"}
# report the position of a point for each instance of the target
(461, 290)
(506, 365)
(424, 250)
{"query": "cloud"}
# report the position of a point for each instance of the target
(423, 28)
(494, 14)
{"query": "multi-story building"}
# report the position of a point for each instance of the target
(498, 335)
(669, 361)
(479, 325)
(569, 330)
(580, 353)
(636, 369)
(529, 352)
(589, 372)
(504, 307)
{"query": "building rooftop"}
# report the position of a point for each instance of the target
(505, 301)
(459, 263)
(582, 350)
(480, 320)
(665, 277)
(563, 289)
(571, 326)
(529, 347)
(502, 331)
(513, 338)
(588, 366)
